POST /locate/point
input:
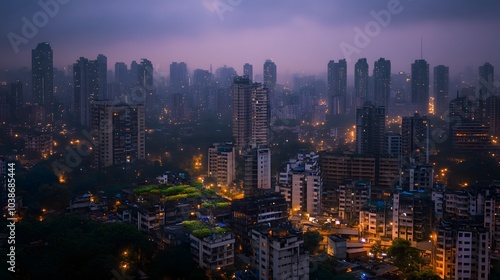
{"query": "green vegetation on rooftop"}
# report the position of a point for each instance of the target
(201, 229)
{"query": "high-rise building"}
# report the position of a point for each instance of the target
(102, 75)
(412, 216)
(382, 83)
(121, 73)
(394, 143)
(248, 71)
(415, 138)
(251, 114)
(118, 132)
(301, 184)
(382, 172)
(441, 90)
(417, 178)
(88, 87)
(179, 79)
(337, 87)
(420, 86)
(487, 80)
(462, 250)
(145, 81)
(360, 82)
(270, 75)
(370, 130)
(15, 100)
(221, 163)
(42, 83)
(278, 253)
(252, 212)
(493, 115)
(257, 170)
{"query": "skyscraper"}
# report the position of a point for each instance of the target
(270, 75)
(16, 100)
(248, 71)
(337, 87)
(361, 82)
(88, 84)
(118, 131)
(382, 82)
(487, 80)
(441, 89)
(420, 86)
(179, 79)
(102, 68)
(251, 115)
(370, 130)
(145, 82)
(415, 138)
(42, 82)
(257, 170)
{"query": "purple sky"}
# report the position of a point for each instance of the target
(300, 36)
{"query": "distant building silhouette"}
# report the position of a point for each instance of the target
(420, 86)
(441, 89)
(179, 78)
(88, 87)
(337, 87)
(270, 75)
(487, 80)
(382, 83)
(42, 82)
(248, 71)
(360, 82)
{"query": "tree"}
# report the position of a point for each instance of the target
(376, 249)
(423, 275)
(405, 257)
(312, 240)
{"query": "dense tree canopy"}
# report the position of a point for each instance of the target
(405, 257)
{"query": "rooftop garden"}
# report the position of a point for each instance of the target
(169, 192)
(201, 229)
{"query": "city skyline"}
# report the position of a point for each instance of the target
(225, 33)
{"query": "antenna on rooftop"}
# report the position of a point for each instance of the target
(421, 48)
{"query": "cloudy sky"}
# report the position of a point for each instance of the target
(300, 36)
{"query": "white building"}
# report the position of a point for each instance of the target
(462, 250)
(212, 252)
(278, 254)
(301, 183)
(375, 220)
(257, 169)
(221, 163)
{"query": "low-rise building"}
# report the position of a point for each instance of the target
(353, 195)
(278, 254)
(214, 251)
